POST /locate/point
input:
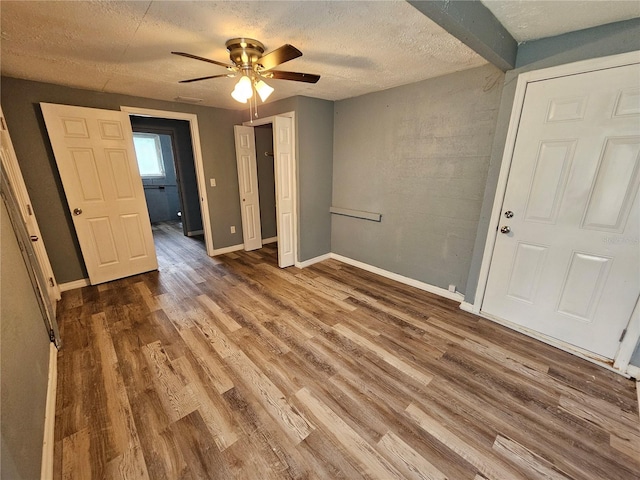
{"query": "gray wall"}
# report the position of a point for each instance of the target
(417, 154)
(266, 180)
(314, 154)
(572, 47)
(20, 103)
(24, 363)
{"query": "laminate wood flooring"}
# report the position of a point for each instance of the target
(231, 368)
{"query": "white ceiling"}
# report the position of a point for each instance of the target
(356, 46)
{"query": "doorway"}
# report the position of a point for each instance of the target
(564, 261)
(167, 168)
(194, 130)
(285, 183)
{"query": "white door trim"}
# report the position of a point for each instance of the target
(270, 120)
(518, 103)
(197, 158)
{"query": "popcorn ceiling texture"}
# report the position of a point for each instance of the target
(533, 19)
(124, 47)
(357, 46)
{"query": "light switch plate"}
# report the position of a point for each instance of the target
(212, 182)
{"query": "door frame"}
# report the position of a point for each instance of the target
(271, 120)
(192, 118)
(627, 346)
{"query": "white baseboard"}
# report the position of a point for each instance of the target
(634, 372)
(311, 261)
(400, 278)
(232, 248)
(64, 287)
(46, 470)
(195, 232)
(269, 240)
(468, 307)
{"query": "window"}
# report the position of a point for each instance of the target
(149, 154)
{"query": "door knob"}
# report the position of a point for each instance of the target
(508, 214)
(505, 229)
(33, 238)
(77, 211)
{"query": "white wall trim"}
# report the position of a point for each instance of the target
(232, 248)
(634, 372)
(46, 469)
(269, 240)
(83, 282)
(311, 261)
(193, 233)
(518, 103)
(468, 307)
(197, 157)
(628, 344)
(443, 292)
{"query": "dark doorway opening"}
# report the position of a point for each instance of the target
(172, 196)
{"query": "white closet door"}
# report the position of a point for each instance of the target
(248, 187)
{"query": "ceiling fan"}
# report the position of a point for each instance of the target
(253, 66)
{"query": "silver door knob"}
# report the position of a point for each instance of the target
(508, 214)
(77, 211)
(505, 229)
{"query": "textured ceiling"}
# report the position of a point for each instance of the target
(357, 47)
(532, 19)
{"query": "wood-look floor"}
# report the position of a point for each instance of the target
(230, 368)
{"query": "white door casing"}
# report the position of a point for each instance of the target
(248, 186)
(14, 174)
(285, 188)
(569, 267)
(99, 172)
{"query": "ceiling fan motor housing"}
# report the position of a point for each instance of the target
(244, 52)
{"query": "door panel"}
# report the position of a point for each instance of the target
(284, 173)
(248, 186)
(97, 164)
(569, 264)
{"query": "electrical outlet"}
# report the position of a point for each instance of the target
(452, 288)
(212, 182)
(233, 229)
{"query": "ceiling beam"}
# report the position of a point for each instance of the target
(473, 24)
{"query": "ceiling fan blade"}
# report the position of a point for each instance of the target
(278, 56)
(295, 76)
(196, 57)
(202, 78)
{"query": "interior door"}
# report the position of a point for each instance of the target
(97, 164)
(11, 170)
(566, 261)
(248, 186)
(284, 173)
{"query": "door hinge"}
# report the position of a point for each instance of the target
(51, 282)
(29, 211)
(624, 332)
(52, 335)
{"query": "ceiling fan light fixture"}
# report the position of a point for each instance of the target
(237, 96)
(244, 87)
(263, 90)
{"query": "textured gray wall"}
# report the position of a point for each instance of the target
(417, 154)
(266, 180)
(24, 363)
(572, 47)
(20, 103)
(314, 154)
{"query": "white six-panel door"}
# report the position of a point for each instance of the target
(248, 187)
(567, 263)
(97, 164)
